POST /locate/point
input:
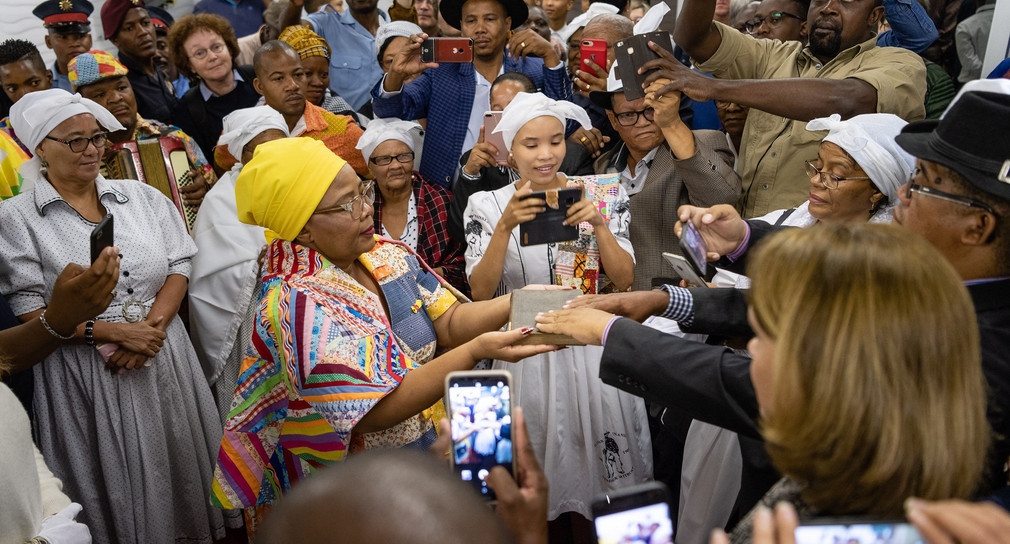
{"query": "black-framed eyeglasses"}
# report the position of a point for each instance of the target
(942, 195)
(356, 205)
(78, 145)
(630, 118)
(386, 159)
(827, 179)
(216, 48)
(773, 19)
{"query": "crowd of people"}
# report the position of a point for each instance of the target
(312, 227)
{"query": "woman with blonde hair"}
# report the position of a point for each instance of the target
(866, 369)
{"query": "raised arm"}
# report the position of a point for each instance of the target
(911, 27)
(695, 31)
(293, 14)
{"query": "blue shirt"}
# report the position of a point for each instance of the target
(911, 27)
(245, 16)
(61, 81)
(354, 70)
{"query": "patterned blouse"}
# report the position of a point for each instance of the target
(322, 355)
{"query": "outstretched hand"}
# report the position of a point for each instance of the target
(583, 324)
(720, 226)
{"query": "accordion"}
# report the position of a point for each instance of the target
(159, 162)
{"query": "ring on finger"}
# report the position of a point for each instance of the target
(522, 45)
(583, 139)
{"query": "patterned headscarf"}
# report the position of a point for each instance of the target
(307, 43)
(93, 66)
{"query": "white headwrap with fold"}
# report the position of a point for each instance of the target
(869, 139)
(650, 21)
(241, 126)
(528, 106)
(391, 30)
(36, 114)
(580, 21)
(380, 130)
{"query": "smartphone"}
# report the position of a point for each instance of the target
(594, 50)
(479, 405)
(101, 237)
(684, 269)
(447, 50)
(635, 514)
(491, 120)
(632, 53)
(548, 226)
(693, 248)
(831, 530)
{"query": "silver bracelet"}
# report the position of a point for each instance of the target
(42, 318)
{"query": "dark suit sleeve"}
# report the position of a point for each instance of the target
(720, 312)
(707, 383)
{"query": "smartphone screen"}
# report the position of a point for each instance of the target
(693, 247)
(636, 514)
(479, 404)
(869, 532)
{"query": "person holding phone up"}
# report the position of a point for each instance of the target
(128, 381)
(589, 437)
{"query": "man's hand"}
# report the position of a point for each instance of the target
(193, 193)
(947, 522)
(680, 77)
(481, 156)
(720, 226)
(595, 80)
(592, 139)
(527, 43)
(82, 293)
(583, 324)
(637, 305)
(522, 501)
(666, 106)
(406, 64)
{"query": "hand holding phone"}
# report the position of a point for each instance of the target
(447, 50)
(684, 269)
(101, 236)
(479, 405)
(491, 120)
(637, 513)
(693, 247)
(594, 51)
(549, 225)
(634, 52)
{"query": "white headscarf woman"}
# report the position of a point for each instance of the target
(224, 269)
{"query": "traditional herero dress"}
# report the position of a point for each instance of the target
(323, 354)
(135, 449)
(588, 436)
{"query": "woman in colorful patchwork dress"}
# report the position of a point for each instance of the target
(589, 437)
(343, 355)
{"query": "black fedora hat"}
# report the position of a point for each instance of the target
(452, 12)
(971, 139)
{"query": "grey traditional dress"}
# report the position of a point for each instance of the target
(135, 449)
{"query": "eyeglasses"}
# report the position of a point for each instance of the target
(936, 193)
(774, 19)
(827, 179)
(386, 159)
(78, 145)
(630, 118)
(356, 205)
(201, 54)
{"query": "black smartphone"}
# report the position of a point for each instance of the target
(693, 247)
(639, 513)
(447, 50)
(631, 54)
(830, 530)
(479, 405)
(548, 226)
(101, 237)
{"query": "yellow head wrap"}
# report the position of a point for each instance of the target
(283, 183)
(307, 43)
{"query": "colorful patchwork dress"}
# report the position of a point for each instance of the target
(322, 355)
(589, 437)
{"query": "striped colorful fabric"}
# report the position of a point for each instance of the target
(321, 356)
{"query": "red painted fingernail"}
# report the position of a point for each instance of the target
(527, 331)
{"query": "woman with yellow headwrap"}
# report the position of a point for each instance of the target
(346, 320)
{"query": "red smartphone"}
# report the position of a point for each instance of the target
(491, 120)
(447, 50)
(594, 50)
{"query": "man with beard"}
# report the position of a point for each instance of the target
(351, 37)
(281, 79)
(128, 25)
(68, 33)
(840, 70)
(454, 96)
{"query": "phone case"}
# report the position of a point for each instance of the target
(102, 236)
(447, 50)
(631, 54)
(548, 226)
(594, 50)
(684, 269)
(491, 120)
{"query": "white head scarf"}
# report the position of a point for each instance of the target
(241, 126)
(392, 30)
(580, 21)
(650, 21)
(1000, 86)
(869, 138)
(38, 113)
(528, 106)
(380, 130)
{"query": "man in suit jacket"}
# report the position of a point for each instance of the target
(663, 165)
(454, 96)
